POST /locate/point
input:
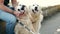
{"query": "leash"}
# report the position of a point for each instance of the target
(26, 27)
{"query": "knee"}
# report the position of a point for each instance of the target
(11, 19)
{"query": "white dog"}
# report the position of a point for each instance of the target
(36, 16)
(24, 26)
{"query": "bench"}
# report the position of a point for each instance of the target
(2, 27)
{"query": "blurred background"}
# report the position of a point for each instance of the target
(43, 3)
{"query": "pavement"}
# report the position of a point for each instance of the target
(51, 25)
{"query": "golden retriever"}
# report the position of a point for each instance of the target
(24, 26)
(36, 16)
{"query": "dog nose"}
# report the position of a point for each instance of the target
(23, 6)
(36, 8)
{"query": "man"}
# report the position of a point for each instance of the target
(8, 15)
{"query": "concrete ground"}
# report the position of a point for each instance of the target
(51, 25)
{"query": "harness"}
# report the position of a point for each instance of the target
(23, 25)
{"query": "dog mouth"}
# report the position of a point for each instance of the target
(34, 11)
(22, 13)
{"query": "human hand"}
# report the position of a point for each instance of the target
(16, 13)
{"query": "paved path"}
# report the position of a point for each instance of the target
(51, 25)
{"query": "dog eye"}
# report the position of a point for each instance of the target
(18, 9)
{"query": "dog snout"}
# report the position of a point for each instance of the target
(36, 8)
(23, 6)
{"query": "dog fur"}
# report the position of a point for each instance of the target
(24, 18)
(36, 17)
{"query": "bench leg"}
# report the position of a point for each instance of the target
(2, 27)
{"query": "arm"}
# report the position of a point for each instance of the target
(3, 7)
(6, 9)
(14, 3)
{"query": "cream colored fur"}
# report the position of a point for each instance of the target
(26, 21)
(36, 18)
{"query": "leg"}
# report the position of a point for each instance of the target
(37, 25)
(10, 21)
(30, 26)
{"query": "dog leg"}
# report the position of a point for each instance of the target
(37, 25)
(30, 25)
(22, 30)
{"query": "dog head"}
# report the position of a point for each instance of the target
(22, 9)
(35, 9)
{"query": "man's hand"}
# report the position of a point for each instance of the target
(16, 13)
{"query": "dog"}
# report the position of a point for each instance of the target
(24, 25)
(36, 16)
